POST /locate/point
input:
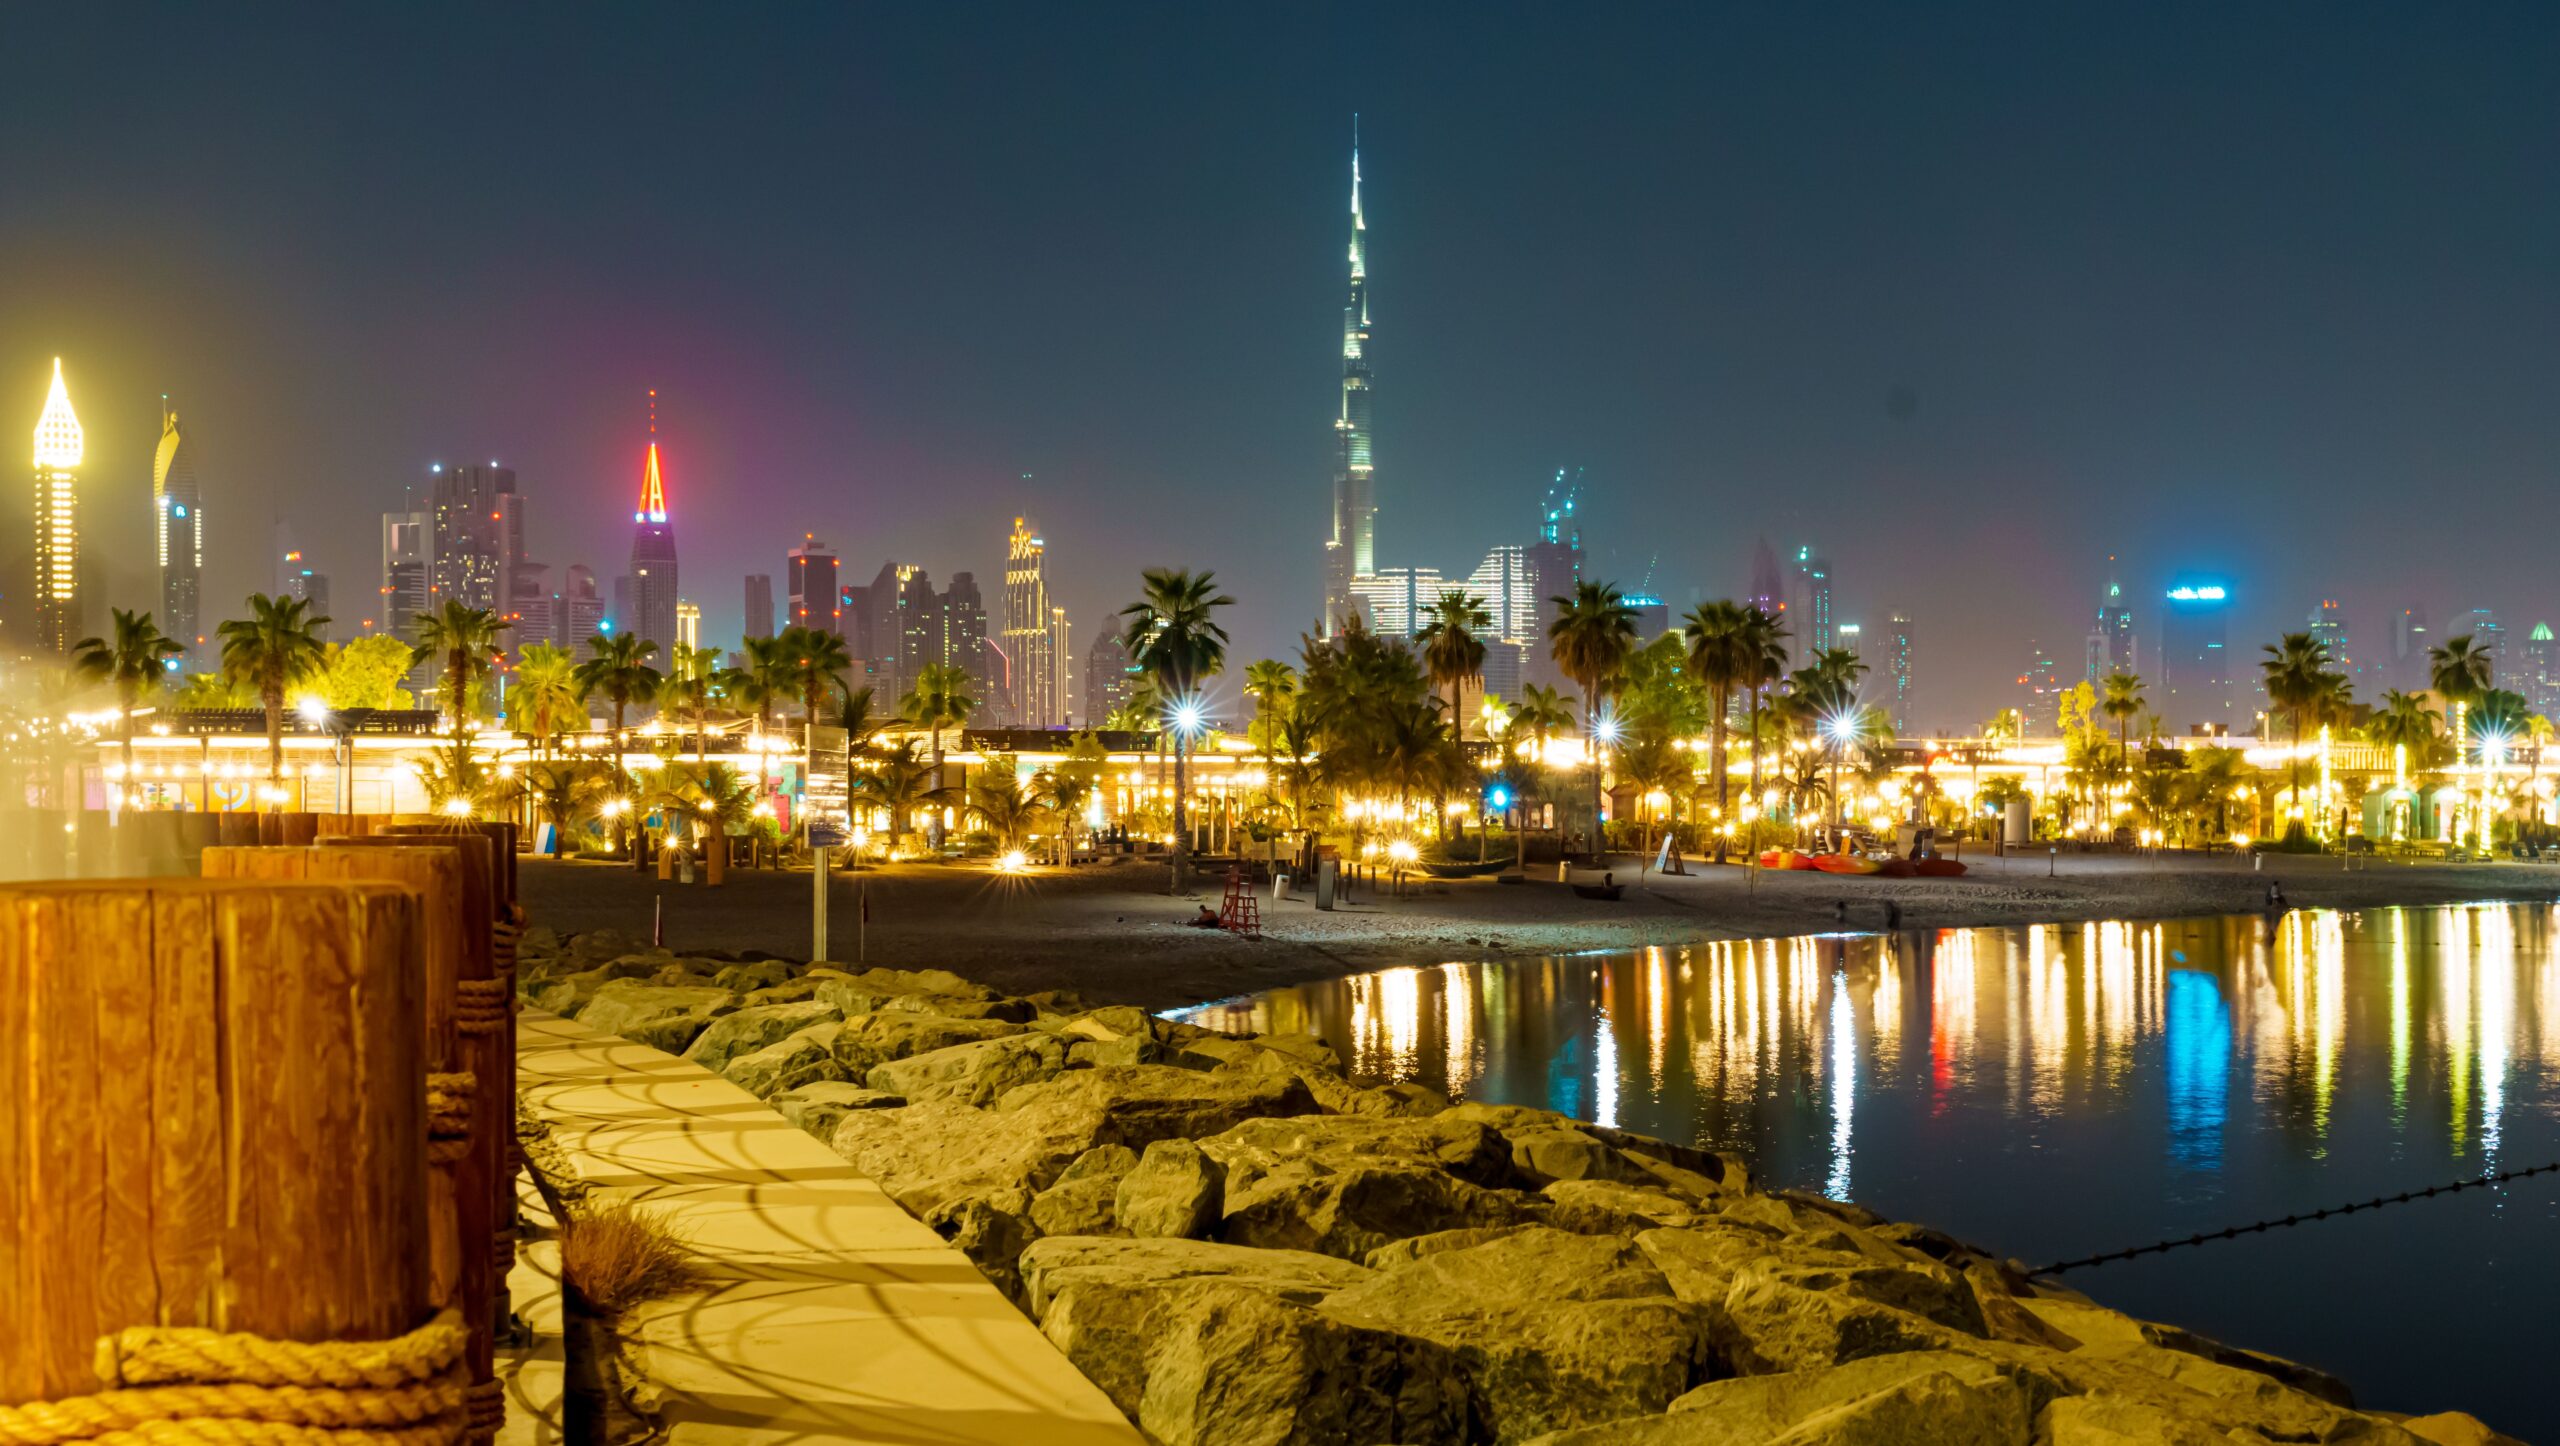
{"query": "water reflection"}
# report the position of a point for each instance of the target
(2047, 1090)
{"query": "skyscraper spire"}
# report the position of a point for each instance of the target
(58, 438)
(1351, 549)
(653, 482)
(651, 583)
(58, 450)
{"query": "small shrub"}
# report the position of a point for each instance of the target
(617, 1256)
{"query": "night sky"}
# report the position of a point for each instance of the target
(1971, 300)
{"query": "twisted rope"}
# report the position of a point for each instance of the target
(192, 1387)
(2234, 1232)
(480, 1006)
(449, 1116)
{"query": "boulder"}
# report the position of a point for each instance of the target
(1395, 1102)
(1781, 1316)
(2094, 1327)
(795, 992)
(1055, 1263)
(566, 994)
(745, 1031)
(1131, 1049)
(1551, 1330)
(623, 1005)
(962, 1006)
(787, 1064)
(1468, 1151)
(1397, 1253)
(932, 1157)
(745, 977)
(1701, 1260)
(861, 992)
(1137, 1105)
(2110, 1420)
(1113, 1022)
(1226, 1365)
(1922, 1397)
(975, 1073)
(817, 1108)
(1600, 1207)
(1358, 1207)
(1546, 1154)
(2454, 1428)
(1176, 1190)
(993, 1240)
(1084, 1199)
(880, 1036)
(1509, 1117)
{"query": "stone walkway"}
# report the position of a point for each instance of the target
(831, 1315)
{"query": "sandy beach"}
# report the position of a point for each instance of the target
(1115, 934)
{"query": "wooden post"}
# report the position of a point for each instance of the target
(212, 1104)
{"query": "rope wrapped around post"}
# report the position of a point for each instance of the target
(449, 1116)
(180, 1386)
(480, 1005)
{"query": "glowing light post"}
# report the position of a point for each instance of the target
(2327, 781)
(2493, 752)
(2399, 793)
(1604, 735)
(1841, 728)
(1187, 720)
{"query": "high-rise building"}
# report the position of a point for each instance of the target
(527, 613)
(759, 616)
(1039, 694)
(1062, 659)
(1555, 568)
(1809, 603)
(964, 640)
(577, 612)
(2040, 690)
(688, 624)
(1768, 590)
(408, 569)
(809, 572)
(2489, 635)
(59, 448)
(1510, 592)
(1108, 683)
(300, 581)
(2328, 627)
(177, 514)
(2410, 640)
(2541, 671)
(470, 533)
(1397, 601)
(1350, 552)
(904, 620)
(2194, 685)
(1653, 616)
(1849, 638)
(2112, 643)
(1897, 664)
(653, 551)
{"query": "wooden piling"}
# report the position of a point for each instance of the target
(211, 1106)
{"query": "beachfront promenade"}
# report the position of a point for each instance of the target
(827, 1313)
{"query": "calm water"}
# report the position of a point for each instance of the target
(2055, 1091)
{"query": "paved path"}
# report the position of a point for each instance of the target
(831, 1314)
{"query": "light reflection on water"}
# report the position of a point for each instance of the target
(2051, 1091)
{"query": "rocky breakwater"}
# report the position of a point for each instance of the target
(1240, 1246)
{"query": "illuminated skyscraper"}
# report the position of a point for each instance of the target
(2328, 626)
(2541, 674)
(470, 533)
(2195, 654)
(2112, 645)
(59, 448)
(1897, 663)
(178, 518)
(688, 624)
(1397, 601)
(1108, 680)
(1555, 567)
(1351, 551)
(301, 581)
(653, 553)
(810, 575)
(1809, 606)
(1037, 656)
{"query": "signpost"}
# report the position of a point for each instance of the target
(826, 804)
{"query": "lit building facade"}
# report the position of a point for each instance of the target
(177, 512)
(1351, 550)
(1397, 601)
(2328, 627)
(1809, 611)
(1510, 591)
(1039, 694)
(809, 575)
(2489, 635)
(470, 533)
(2194, 686)
(2113, 645)
(408, 569)
(652, 611)
(58, 452)
(688, 624)
(1897, 665)
(1555, 569)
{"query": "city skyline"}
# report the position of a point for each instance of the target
(1774, 380)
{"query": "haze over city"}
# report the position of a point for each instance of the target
(898, 278)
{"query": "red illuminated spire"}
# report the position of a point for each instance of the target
(653, 483)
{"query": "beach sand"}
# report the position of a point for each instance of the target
(1114, 934)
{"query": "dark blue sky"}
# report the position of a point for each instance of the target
(2269, 291)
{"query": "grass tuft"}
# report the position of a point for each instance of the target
(617, 1256)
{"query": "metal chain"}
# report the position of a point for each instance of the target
(2236, 1231)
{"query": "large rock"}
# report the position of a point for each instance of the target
(1551, 1330)
(1602, 1207)
(962, 1006)
(1084, 1201)
(747, 1030)
(1058, 1262)
(818, 1107)
(801, 1059)
(874, 1039)
(976, 1073)
(1780, 1315)
(1469, 1151)
(1129, 1049)
(1114, 1022)
(1137, 1105)
(1355, 1209)
(933, 1157)
(2082, 1324)
(1920, 1398)
(1176, 1190)
(864, 991)
(762, 974)
(626, 1006)
(1547, 1154)
(1701, 1260)
(566, 994)
(1398, 1253)
(993, 1240)
(1226, 1365)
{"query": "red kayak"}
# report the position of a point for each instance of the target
(1938, 868)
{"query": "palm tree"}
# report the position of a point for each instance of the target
(2459, 669)
(1272, 684)
(818, 663)
(699, 681)
(2122, 702)
(2297, 672)
(275, 647)
(1721, 662)
(463, 643)
(861, 717)
(134, 661)
(1593, 635)
(897, 781)
(617, 666)
(546, 689)
(771, 675)
(563, 793)
(1762, 653)
(1173, 636)
(997, 799)
(1452, 653)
